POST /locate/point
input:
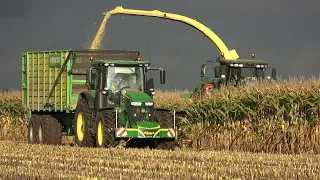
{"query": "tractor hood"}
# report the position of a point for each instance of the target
(137, 96)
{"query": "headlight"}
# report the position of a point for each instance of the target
(269, 77)
(236, 65)
(223, 76)
(136, 103)
(258, 66)
(149, 103)
(240, 65)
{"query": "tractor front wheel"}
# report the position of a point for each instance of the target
(105, 129)
(82, 123)
(165, 119)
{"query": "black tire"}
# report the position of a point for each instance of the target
(168, 144)
(33, 127)
(105, 137)
(165, 119)
(49, 130)
(88, 137)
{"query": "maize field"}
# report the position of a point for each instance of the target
(278, 117)
(268, 118)
(22, 161)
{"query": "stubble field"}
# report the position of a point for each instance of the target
(255, 132)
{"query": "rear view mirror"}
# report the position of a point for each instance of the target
(162, 76)
(203, 69)
(88, 75)
(274, 73)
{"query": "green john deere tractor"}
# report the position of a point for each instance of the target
(119, 106)
(101, 96)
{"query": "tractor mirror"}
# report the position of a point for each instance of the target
(203, 69)
(274, 73)
(162, 76)
(218, 71)
(150, 84)
(88, 75)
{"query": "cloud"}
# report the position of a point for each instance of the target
(15, 8)
(307, 62)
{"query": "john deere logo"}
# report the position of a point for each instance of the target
(149, 133)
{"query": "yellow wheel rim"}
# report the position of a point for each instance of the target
(80, 126)
(100, 133)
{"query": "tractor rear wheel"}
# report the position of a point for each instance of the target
(82, 125)
(105, 129)
(165, 119)
(49, 130)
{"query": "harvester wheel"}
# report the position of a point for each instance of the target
(33, 127)
(49, 130)
(165, 119)
(106, 124)
(82, 123)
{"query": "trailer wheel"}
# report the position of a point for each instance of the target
(165, 119)
(49, 130)
(106, 121)
(33, 126)
(82, 124)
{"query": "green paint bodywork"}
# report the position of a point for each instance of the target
(146, 133)
(142, 128)
(137, 96)
(147, 130)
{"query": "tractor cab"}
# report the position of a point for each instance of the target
(117, 82)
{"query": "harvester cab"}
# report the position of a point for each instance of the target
(240, 71)
(232, 72)
(124, 107)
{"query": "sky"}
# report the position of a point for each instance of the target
(283, 32)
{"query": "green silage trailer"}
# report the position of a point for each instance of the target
(68, 92)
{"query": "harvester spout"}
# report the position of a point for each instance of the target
(222, 48)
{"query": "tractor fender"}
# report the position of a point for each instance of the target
(89, 99)
(105, 108)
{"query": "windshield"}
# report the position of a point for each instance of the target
(246, 73)
(119, 77)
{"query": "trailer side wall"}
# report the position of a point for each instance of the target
(39, 75)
